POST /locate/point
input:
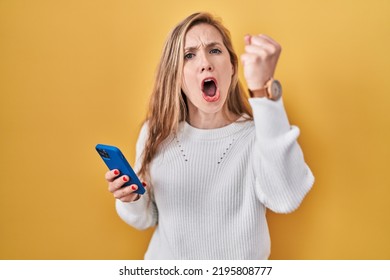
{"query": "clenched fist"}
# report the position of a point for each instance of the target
(259, 60)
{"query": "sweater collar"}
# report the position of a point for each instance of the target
(215, 133)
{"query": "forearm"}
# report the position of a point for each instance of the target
(140, 214)
(282, 176)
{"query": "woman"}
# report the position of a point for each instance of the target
(212, 166)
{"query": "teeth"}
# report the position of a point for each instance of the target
(208, 80)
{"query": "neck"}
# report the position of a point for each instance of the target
(203, 120)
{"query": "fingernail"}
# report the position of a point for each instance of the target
(144, 184)
(116, 172)
(133, 188)
(124, 179)
(247, 39)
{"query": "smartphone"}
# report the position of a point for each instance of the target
(114, 159)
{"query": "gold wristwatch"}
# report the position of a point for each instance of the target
(272, 90)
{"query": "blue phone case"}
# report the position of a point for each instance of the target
(114, 159)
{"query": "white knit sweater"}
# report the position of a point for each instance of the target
(212, 187)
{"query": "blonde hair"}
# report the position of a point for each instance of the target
(168, 107)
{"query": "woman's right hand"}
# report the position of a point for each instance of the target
(115, 183)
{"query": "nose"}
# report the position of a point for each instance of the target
(207, 68)
(206, 64)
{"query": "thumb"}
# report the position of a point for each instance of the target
(247, 39)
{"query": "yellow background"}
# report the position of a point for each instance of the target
(76, 73)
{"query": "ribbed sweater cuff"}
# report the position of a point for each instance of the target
(135, 213)
(270, 117)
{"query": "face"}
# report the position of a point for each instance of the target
(207, 71)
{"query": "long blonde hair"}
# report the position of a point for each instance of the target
(168, 107)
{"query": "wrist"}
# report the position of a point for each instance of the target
(272, 90)
(258, 92)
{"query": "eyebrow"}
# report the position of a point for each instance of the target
(209, 45)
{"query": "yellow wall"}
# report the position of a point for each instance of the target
(74, 73)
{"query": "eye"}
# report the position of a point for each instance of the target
(216, 51)
(188, 56)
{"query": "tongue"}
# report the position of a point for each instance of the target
(209, 88)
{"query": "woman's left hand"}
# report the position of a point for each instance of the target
(259, 60)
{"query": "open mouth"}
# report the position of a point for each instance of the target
(210, 90)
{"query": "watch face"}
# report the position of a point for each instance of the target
(276, 90)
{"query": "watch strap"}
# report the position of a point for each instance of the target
(264, 91)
